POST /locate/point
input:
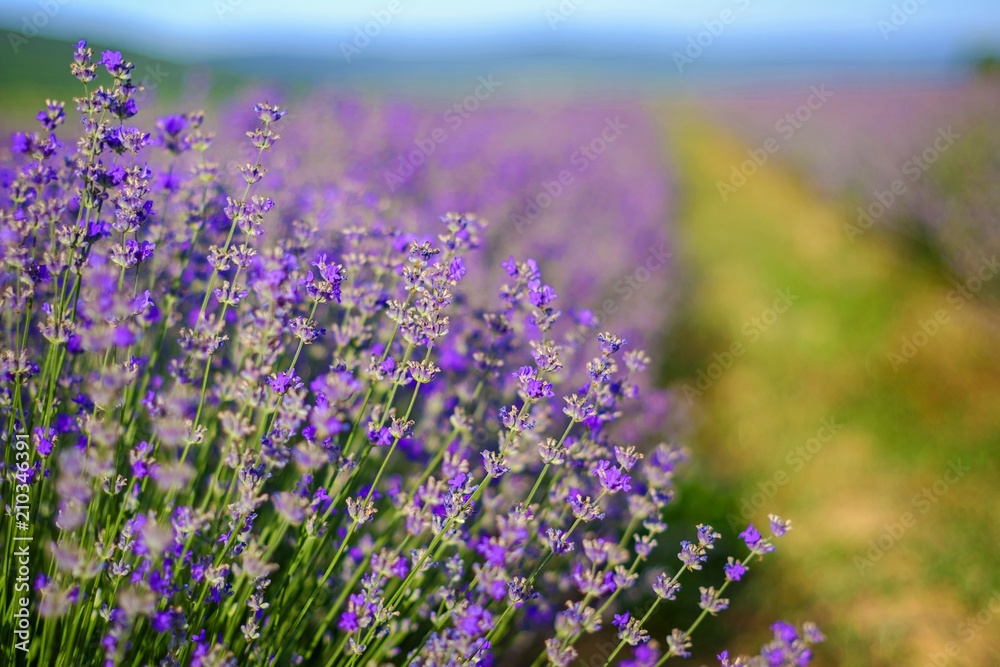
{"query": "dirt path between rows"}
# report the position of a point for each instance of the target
(853, 389)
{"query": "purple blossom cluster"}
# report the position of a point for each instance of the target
(287, 431)
(791, 647)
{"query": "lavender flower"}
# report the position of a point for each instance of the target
(665, 587)
(734, 569)
(612, 479)
(711, 602)
(250, 428)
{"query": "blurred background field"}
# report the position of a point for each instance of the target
(848, 411)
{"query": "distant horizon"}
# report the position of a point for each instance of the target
(558, 70)
(189, 31)
(391, 44)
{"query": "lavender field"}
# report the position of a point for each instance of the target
(454, 351)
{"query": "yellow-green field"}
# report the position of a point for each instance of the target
(833, 419)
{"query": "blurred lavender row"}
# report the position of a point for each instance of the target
(596, 226)
(938, 142)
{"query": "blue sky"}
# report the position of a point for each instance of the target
(195, 29)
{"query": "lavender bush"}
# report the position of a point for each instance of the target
(346, 158)
(238, 434)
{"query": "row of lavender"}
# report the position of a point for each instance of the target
(256, 431)
(911, 158)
